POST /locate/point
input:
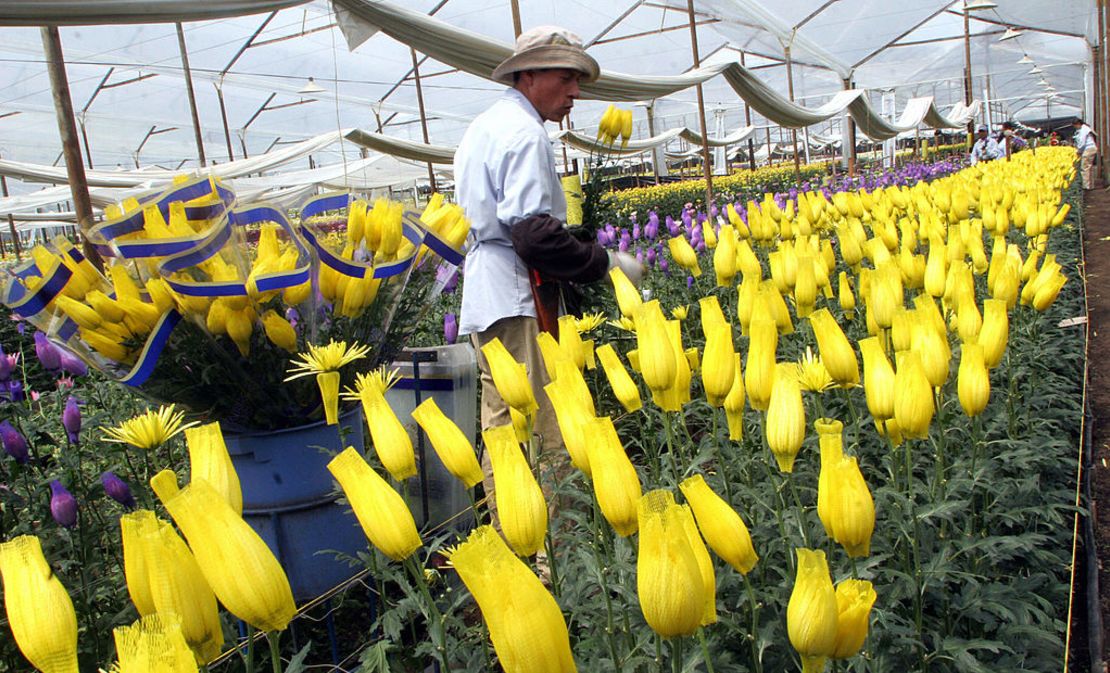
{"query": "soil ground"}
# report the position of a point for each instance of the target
(1097, 252)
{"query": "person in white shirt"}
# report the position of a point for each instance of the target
(519, 250)
(1087, 147)
(985, 148)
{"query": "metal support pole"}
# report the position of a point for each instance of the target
(423, 116)
(790, 91)
(223, 116)
(67, 129)
(11, 222)
(849, 137)
(701, 109)
(189, 90)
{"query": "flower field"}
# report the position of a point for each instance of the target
(836, 428)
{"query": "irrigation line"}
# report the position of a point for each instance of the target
(1083, 492)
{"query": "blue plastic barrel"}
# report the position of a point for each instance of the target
(288, 499)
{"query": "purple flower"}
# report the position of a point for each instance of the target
(6, 366)
(63, 506)
(672, 227)
(689, 282)
(14, 443)
(15, 391)
(452, 282)
(625, 242)
(71, 364)
(651, 256)
(636, 231)
(292, 316)
(713, 211)
(651, 229)
(20, 327)
(700, 245)
(640, 255)
(48, 354)
(117, 489)
(450, 328)
(71, 419)
(664, 266)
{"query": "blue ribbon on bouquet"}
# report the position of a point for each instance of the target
(152, 349)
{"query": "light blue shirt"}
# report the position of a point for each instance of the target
(504, 172)
(1084, 139)
(986, 149)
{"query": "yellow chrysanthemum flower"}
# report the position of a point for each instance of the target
(679, 312)
(624, 324)
(329, 358)
(149, 430)
(812, 375)
(379, 379)
(589, 322)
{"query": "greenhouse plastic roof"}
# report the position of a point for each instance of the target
(135, 70)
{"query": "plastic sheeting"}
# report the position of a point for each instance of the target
(87, 12)
(479, 55)
(257, 164)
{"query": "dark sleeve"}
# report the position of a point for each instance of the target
(546, 246)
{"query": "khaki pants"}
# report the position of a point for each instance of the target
(519, 336)
(1087, 167)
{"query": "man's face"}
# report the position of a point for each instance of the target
(551, 92)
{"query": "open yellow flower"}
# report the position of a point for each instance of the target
(812, 374)
(150, 429)
(589, 322)
(325, 362)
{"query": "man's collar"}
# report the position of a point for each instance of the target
(520, 99)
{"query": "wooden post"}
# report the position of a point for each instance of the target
(67, 129)
(11, 222)
(701, 109)
(790, 91)
(657, 153)
(423, 116)
(515, 6)
(748, 122)
(769, 152)
(192, 95)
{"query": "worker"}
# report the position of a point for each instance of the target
(1010, 140)
(985, 147)
(1086, 145)
(519, 249)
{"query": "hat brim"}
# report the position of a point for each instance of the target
(548, 57)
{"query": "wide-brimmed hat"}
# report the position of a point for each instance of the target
(546, 47)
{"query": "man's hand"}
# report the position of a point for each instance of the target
(628, 264)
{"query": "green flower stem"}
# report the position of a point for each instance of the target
(718, 454)
(676, 655)
(431, 611)
(756, 661)
(847, 393)
(940, 442)
(275, 650)
(595, 546)
(659, 653)
(549, 545)
(670, 447)
(250, 648)
(801, 510)
(474, 507)
(705, 650)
